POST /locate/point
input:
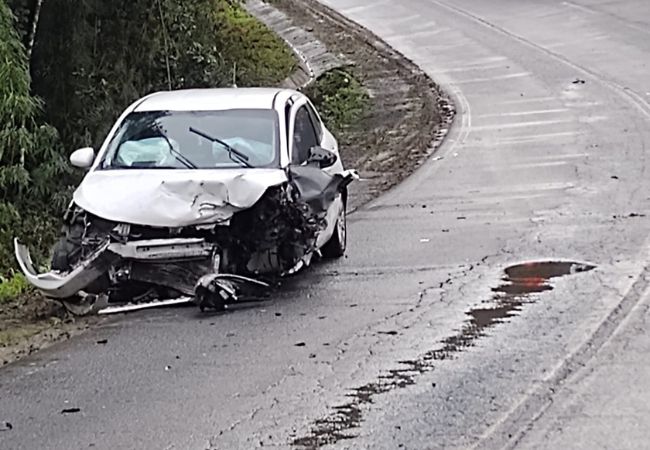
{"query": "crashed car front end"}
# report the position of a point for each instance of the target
(206, 259)
(198, 193)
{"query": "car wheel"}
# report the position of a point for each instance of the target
(65, 254)
(335, 247)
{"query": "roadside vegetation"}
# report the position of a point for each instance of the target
(12, 287)
(340, 98)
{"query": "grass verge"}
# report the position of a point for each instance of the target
(12, 286)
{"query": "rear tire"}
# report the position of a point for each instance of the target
(335, 247)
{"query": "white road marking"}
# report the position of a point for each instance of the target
(535, 123)
(440, 48)
(581, 41)
(567, 156)
(509, 191)
(401, 19)
(469, 68)
(427, 33)
(593, 119)
(488, 59)
(359, 9)
(499, 77)
(537, 165)
(401, 36)
(523, 113)
(582, 104)
(538, 137)
(530, 100)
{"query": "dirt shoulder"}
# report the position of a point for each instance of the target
(406, 119)
(408, 115)
(30, 322)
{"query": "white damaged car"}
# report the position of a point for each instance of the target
(201, 193)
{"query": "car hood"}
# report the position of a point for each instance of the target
(173, 198)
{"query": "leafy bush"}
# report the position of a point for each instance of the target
(93, 58)
(262, 58)
(30, 157)
(340, 98)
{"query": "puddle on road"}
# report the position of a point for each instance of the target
(520, 285)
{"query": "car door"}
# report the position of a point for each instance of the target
(307, 132)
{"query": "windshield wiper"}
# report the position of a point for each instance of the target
(175, 153)
(233, 153)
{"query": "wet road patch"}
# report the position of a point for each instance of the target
(521, 284)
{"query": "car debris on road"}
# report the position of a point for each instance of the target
(204, 194)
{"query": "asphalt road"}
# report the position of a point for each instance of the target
(547, 160)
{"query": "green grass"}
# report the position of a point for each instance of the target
(340, 98)
(262, 57)
(12, 287)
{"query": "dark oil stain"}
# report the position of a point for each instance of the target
(518, 288)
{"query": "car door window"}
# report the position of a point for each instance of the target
(315, 121)
(304, 136)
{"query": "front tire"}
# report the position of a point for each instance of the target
(335, 247)
(64, 255)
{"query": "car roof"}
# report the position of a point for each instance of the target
(214, 99)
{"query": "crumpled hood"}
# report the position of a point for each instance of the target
(173, 198)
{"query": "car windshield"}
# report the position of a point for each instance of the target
(195, 140)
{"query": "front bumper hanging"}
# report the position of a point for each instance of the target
(62, 285)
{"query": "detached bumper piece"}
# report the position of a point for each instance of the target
(217, 291)
(66, 285)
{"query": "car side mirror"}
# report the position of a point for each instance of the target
(321, 157)
(83, 158)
